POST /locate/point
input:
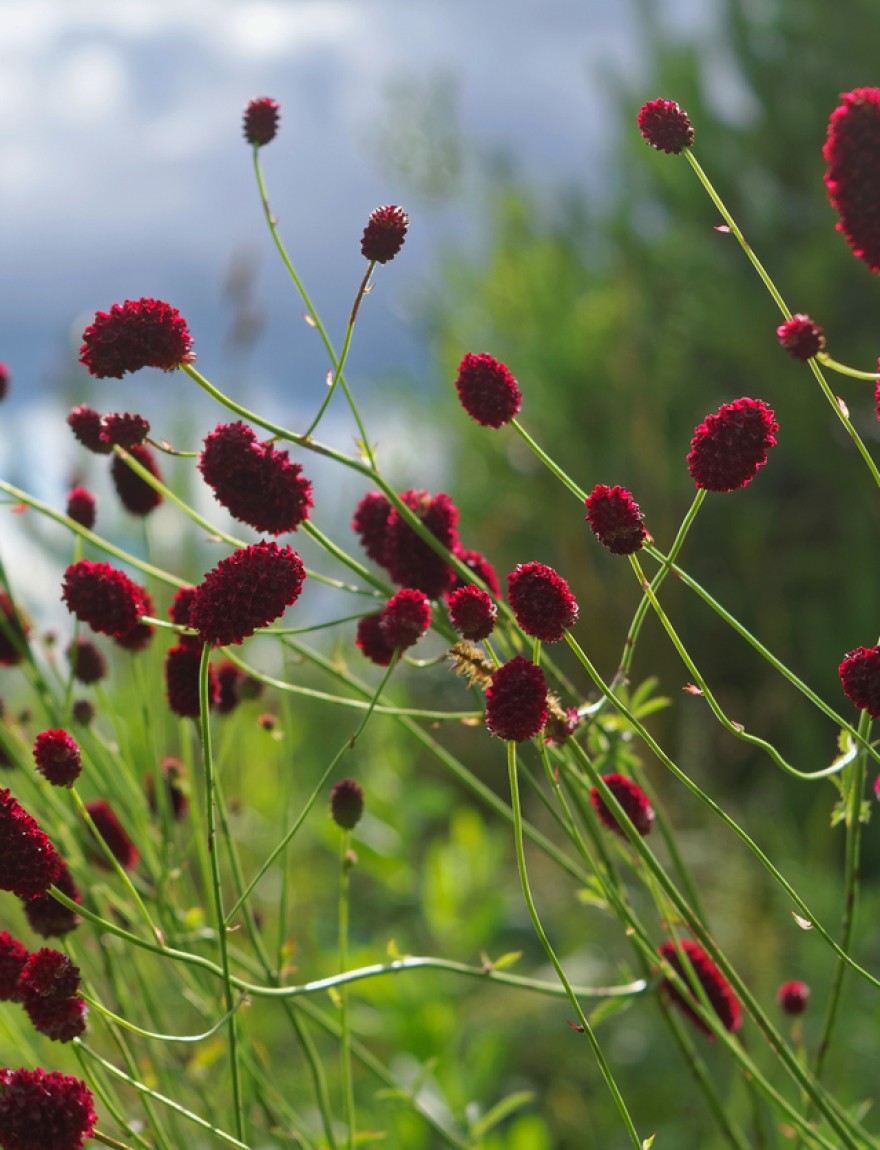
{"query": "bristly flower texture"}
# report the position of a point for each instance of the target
(254, 481)
(182, 681)
(542, 601)
(516, 701)
(793, 997)
(249, 589)
(801, 338)
(135, 334)
(261, 121)
(718, 990)
(410, 561)
(88, 427)
(124, 429)
(81, 507)
(14, 630)
(384, 234)
(371, 640)
(58, 758)
(49, 985)
(860, 675)
(347, 803)
(13, 956)
(665, 126)
(487, 390)
(29, 863)
(729, 447)
(49, 918)
(141, 634)
(478, 563)
(472, 612)
(370, 524)
(631, 797)
(405, 618)
(87, 664)
(136, 495)
(103, 597)
(44, 1111)
(616, 519)
(114, 835)
(852, 178)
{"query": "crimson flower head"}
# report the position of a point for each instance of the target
(384, 234)
(140, 636)
(800, 337)
(135, 334)
(49, 918)
(477, 562)
(406, 617)
(4, 380)
(261, 121)
(41, 1110)
(178, 612)
(88, 427)
(409, 560)
(852, 178)
(29, 864)
(58, 758)
(371, 640)
(249, 589)
(81, 507)
(516, 701)
(472, 612)
(729, 447)
(87, 664)
(48, 986)
(123, 429)
(114, 835)
(487, 390)
(14, 630)
(13, 956)
(793, 997)
(633, 800)
(616, 519)
(254, 481)
(103, 597)
(370, 524)
(137, 496)
(347, 803)
(860, 675)
(718, 990)
(665, 126)
(229, 683)
(542, 601)
(182, 681)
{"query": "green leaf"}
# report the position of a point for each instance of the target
(609, 1006)
(500, 1111)
(506, 960)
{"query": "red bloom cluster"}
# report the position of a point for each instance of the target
(384, 234)
(141, 634)
(178, 612)
(87, 664)
(371, 640)
(616, 519)
(729, 447)
(793, 997)
(103, 597)
(114, 835)
(633, 800)
(29, 864)
(860, 675)
(406, 617)
(172, 772)
(48, 987)
(261, 121)
(370, 523)
(665, 126)
(81, 507)
(255, 482)
(852, 178)
(83, 710)
(800, 337)
(234, 686)
(718, 990)
(44, 1111)
(124, 429)
(58, 758)
(135, 334)
(14, 630)
(136, 494)
(249, 589)
(182, 680)
(516, 701)
(13, 956)
(541, 600)
(347, 803)
(46, 916)
(487, 390)
(481, 567)
(88, 427)
(391, 542)
(472, 612)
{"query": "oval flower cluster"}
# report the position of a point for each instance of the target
(852, 178)
(860, 676)
(516, 701)
(729, 447)
(384, 234)
(717, 989)
(58, 758)
(615, 519)
(135, 334)
(665, 126)
(107, 600)
(632, 798)
(29, 863)
(46, 984)
(487, 390)
(542, 601)
(405, 618)
(41, 1110)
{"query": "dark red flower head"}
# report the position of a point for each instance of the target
(472, 613)
(123, 429)
(178, 612)
(633, 800)
(616, 520)
(48, 985)
(261, 121)
(718, 990)
(516, 701)
(371, 640)
(665, 126)
(81, 507)
(135, 334)
(406, 617)
(793, 997)
(409, 560)
(44, 1111)
(48, 917)
(4, 380)
(88, 426)
(729, 447)
(860, 675)
(87, 664)
(229, 682)
(136, 494)
(29, 864)
(58, 758)
(384, 234)
(182, 681)
(83, 711)
(141, 634)
(103, 597)
(481, 567)
(249, 589)
(347, 803)
(13, 956)
(254, 481)
(370, 523)
(487, 390)
(542, 601)
(172, 774)
(852, 178)
(14, 630)
(800, 337)
(114, 835)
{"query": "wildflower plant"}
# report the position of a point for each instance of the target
(172, 858)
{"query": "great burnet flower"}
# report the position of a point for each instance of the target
(384, 234)
(182, 681)
(83, 710)
(487, 390)
(631, 797)
(347, 803)
(233, 686)
(136, 494)
(48, 917)
(103, 597)
(135, 334)
(13, 956)
(800, 337)
(481, 567)
(541, 600)
(717, 989)
(124, 429)
(88, 427)
(29, 863)
(472, 612)
(87, 664)
(139, 637)
(261, 121)
(516, 701)
(371, 640)
(172, 773)
(793, 997)
(665, 126)
(41, 1110)
(57, 757)
(249, 589)
(255, 481)
(405, 618)
(860, 675)
(48, 987)
(616, 519)
(114, 835)
(409, 560)
(730, 446)
(852, 178)
(81, 507)
(14, 630)
(370, 524)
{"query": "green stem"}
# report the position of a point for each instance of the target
(549, 463)
(345, 1045)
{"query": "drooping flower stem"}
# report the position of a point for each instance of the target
(345, 1046)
